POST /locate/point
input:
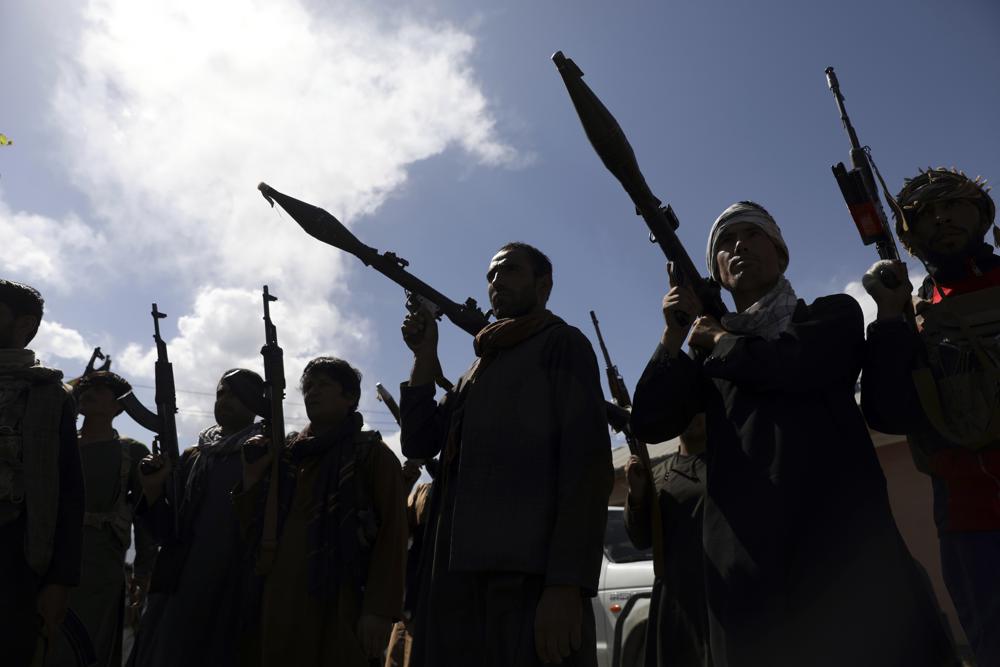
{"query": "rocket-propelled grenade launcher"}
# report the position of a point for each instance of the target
(608, 139)
(324, 227)
(860, 192)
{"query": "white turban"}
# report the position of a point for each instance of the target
(744, 212)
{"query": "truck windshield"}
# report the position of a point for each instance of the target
(617, 546)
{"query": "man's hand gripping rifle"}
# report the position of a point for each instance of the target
(162, 422)
(608, 139)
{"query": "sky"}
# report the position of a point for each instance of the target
(439, 130)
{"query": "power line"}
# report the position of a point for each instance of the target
(366, 409)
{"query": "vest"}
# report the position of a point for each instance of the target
(31, 407)
(119, 518)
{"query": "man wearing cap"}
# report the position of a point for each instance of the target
(941, 385)
(803, 562)
(199, 594)
(111, 479)
(41, 485)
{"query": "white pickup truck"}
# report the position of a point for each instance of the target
(625, 572)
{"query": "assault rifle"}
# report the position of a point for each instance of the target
(620, 395)
(163, 421)
(608, 139)
(324, 227)
(383, 395)
(860, 192)
(97, 354)
(274, 429)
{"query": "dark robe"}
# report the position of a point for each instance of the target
(196, 609)
(803, 564)
(99, 600)
(20, 624)
(678, 631)
(520, 503)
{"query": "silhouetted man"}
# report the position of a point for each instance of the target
(514, 549)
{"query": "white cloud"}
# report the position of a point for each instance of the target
(171, 113)
(57, 341)
(44, 252)
(868, 307)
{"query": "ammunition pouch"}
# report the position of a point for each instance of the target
(959, 389)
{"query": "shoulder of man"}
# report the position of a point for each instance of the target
(137, 448)
(832, 306)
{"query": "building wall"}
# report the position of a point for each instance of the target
(912, 502)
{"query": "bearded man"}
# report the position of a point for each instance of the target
(513, 550)
(940, 385)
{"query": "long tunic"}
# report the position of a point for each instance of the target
(803, 563)
(679, 635)
(195, 612)
(298, 628)
(99, 599)
(19, 622)
(521, 505)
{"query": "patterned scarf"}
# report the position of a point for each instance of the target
(768, 317)
(332, 526)
(212, 445)
(507, 333)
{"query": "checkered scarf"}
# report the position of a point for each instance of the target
(768, 317)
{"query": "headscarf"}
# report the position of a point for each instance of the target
(769, 316)
(744, 211)
(941, 184)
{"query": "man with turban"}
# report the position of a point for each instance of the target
(941, 385)
(803, 563)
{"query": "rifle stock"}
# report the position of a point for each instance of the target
(615, 151)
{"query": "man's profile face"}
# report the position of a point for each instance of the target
(514, 290)
(747, 258)
(15, 331)
(946, 226)
(6, 326)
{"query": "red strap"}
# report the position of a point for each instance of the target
(969, 284)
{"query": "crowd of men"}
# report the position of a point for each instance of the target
(775, 540)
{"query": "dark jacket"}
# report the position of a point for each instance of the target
(534, 472)
(803, 561)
